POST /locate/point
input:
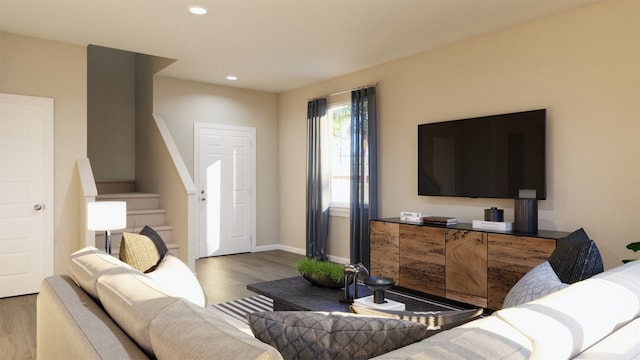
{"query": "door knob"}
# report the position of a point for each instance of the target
(37, 207)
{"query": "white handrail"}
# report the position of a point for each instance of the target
(181, 168)
(182, 214)
(88, 193)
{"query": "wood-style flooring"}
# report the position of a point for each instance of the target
(223, 278)
(18, 327)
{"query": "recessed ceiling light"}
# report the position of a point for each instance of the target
(197, 9)
(232, 78)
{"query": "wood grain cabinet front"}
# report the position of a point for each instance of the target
(510, 257)
(384, 239)
(422, 259)
(466, 264)
(460, 262)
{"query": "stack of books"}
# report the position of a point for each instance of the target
(492, 225)
(412, 216)
(440, 220)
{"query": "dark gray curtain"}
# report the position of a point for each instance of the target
(364, 172)
(317, 180)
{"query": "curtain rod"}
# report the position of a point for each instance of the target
(344, 91)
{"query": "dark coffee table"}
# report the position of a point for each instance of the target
(296, 293)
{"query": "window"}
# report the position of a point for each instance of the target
(339, 145)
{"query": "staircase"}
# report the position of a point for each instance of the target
(142, 209)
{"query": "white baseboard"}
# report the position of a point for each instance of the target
(294, 250)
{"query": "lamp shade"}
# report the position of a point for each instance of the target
(107, 215)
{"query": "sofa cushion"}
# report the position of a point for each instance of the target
(132, 300)
(568, 321)
(178, 280)
(88, 264)
(616, 345)
(139, 251)
(576, 258)
(185, 331)
(433, 319)
(322, 335)
(70, 325)
(538, 282)
(486, 338)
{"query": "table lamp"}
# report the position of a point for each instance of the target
(107, 216)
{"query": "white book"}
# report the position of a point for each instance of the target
(367, 302)
(413, 214)
(492, 225)
(411, 219)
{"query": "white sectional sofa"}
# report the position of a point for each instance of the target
(108, 310)
(597, 318)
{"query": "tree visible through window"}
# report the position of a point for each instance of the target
(340, 124)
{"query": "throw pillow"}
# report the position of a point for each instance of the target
(157, 240)
(139, 251)
(538, 282)
(433, 319)
(322, 335)
(576, 258)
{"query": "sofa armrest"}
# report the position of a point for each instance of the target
(70, 325)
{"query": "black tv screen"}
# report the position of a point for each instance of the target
(485, 157)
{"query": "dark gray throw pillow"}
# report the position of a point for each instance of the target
(336, 335)
(157, 241)
(576, 258)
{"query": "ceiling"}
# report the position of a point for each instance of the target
(270, 45)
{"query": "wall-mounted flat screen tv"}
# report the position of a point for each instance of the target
(485, 157)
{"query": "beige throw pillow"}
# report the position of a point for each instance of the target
(139, 251)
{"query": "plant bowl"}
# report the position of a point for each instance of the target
(322, 273)
(324, 281)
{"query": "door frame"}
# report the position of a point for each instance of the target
(48, 213)
(197, 126)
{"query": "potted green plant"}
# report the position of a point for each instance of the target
(635, 247)
(322, 273)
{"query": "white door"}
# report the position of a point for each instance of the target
(225, 175)
(26, 193)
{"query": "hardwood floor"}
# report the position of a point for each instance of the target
(223, 278)
(18, 327)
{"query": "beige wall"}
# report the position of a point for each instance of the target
(583, 66)
(183, 103)
(111, 110)
(35, 67)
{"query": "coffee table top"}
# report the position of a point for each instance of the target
(296, 293)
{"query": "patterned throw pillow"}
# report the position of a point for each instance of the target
(139, 251)
(143, 251)
(336, 335)
(576, 258)
(538, 282)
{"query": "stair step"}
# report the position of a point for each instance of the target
(145, 217)
(142, 209)
(115, 186)
(165, 232)
(173, 249)
(135, 201)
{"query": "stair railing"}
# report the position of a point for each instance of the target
(88, 193)
(165, 173)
